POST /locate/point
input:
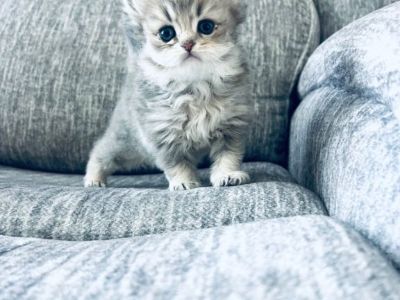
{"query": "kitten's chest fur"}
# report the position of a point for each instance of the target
(193, 116)
(204, 115)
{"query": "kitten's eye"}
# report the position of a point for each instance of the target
(206, 27)
(167, 33)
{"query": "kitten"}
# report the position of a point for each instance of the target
(186, 95)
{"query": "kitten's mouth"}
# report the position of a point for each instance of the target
(191, 56)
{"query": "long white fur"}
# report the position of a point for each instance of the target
(175, 110)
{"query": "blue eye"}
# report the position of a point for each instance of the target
(167, 33)
(206, 27)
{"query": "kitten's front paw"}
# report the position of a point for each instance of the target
(219, 179)
(180, 185)
(94, 183)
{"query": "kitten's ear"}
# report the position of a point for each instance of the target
(132, 22)
(238, 9)
(133, 10)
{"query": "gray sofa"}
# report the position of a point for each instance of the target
(320, 219)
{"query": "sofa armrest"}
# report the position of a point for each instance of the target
(345, 136)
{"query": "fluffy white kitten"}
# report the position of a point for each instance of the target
(185, 97)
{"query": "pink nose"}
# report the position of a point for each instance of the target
(188, 46)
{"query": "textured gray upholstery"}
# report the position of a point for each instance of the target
(345, 141)
(335, 14)
(298, 258)
(35, 204)
(62, 64)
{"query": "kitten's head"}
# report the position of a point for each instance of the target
(183, 33)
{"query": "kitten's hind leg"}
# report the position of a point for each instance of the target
(101, 163)
(115, 151)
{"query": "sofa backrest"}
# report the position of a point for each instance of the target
(62, 65)
(335, 14)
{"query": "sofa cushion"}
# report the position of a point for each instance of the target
(62, 64)
(292, 258)
(34, 204)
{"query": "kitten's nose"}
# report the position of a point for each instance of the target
(188, 45)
